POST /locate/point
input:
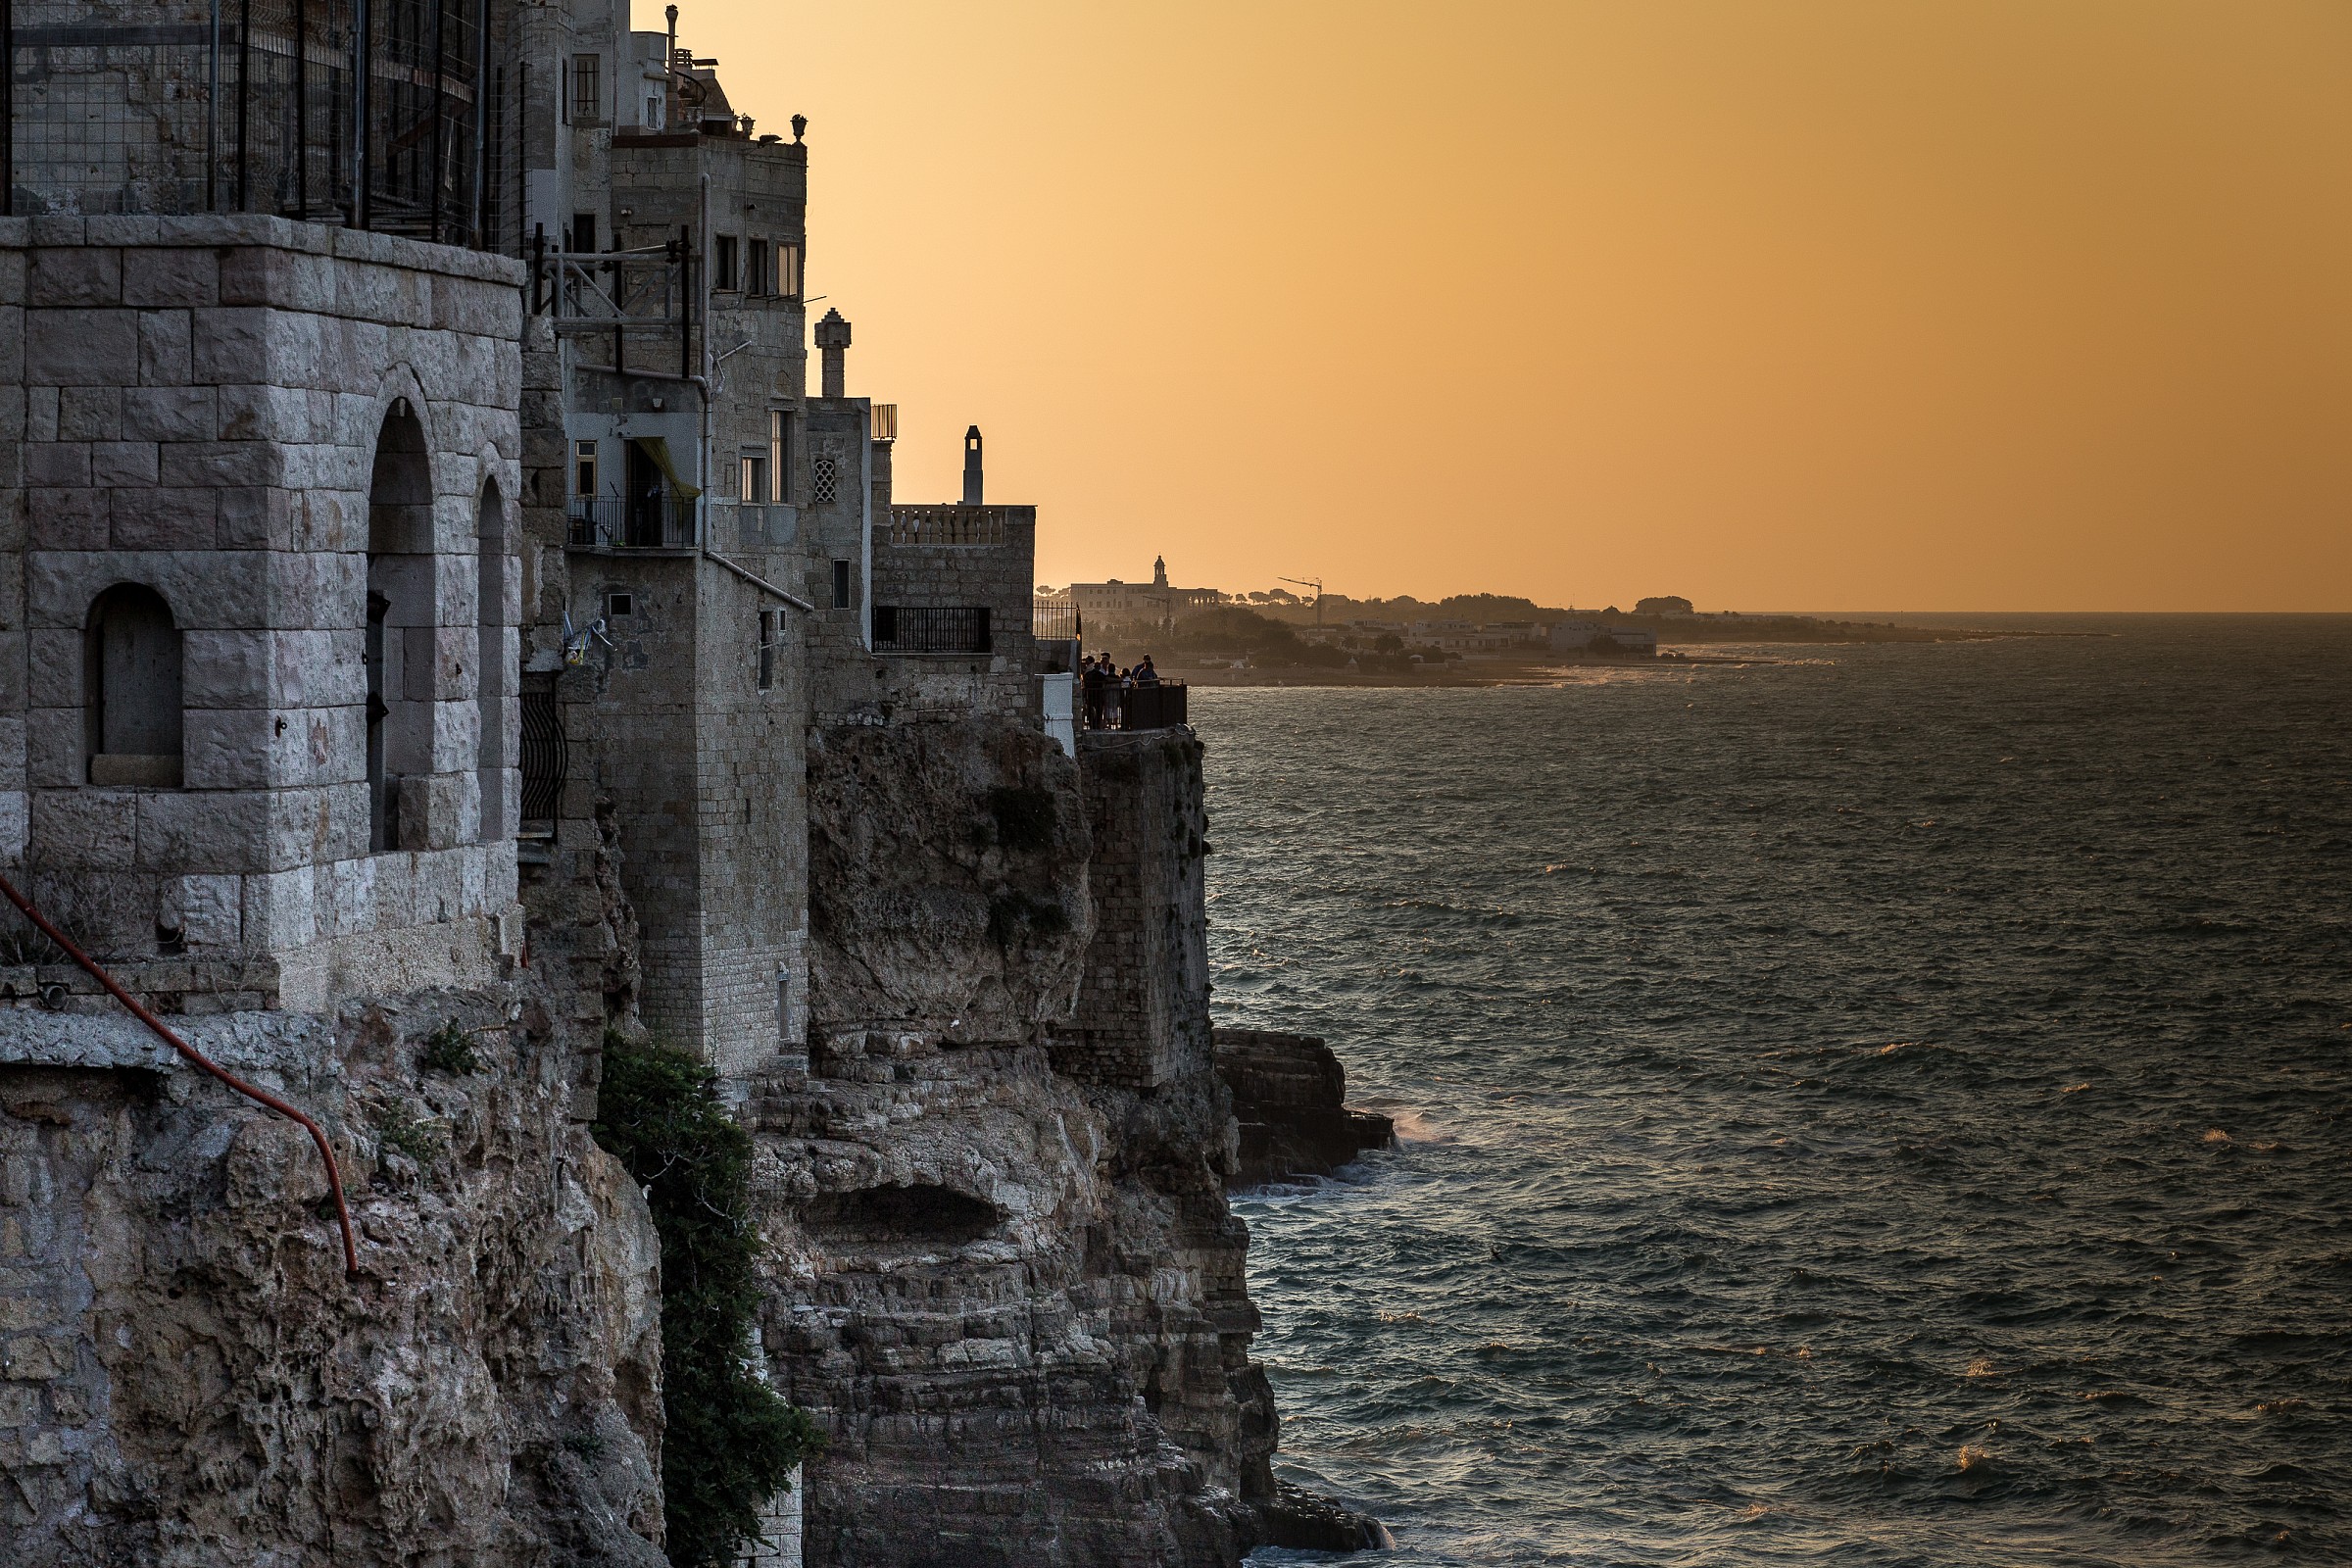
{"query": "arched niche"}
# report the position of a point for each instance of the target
(131, 681)
(402, 624)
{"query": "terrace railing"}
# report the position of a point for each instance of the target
(631, 522)
(1161, 707)
(957, 525)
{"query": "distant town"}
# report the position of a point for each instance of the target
(1219, 637)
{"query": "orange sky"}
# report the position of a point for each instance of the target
(1814, 304)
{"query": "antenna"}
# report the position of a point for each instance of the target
(1316, 583)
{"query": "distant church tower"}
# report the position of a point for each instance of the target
(1160, 571)
(971, 466)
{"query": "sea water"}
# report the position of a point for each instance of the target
(1891, 1105)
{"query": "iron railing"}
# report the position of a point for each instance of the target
(664, 522)
(545, 756)
(1162, 706)
(391, 115)
(906, 629)
(1054, 619)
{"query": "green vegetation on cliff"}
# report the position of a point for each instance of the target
(731, 1441)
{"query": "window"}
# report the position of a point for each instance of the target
(756, 276)
(775, 455)
(583, 234)
(583, 468)
(768, 627)
(788, 270)
(132, 675)
(841, 585)
(587, 90)
(824, 481)
(618, 605)
(652, 109)
(754, 465)
(723, 262)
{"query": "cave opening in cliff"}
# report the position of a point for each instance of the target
(919, 1211)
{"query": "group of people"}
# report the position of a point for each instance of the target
(1101, 681)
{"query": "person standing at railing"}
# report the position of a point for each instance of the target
(1145, 674)
(1091, 684)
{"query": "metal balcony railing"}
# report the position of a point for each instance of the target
(1154, 707)
(908, 629)
(631, 522)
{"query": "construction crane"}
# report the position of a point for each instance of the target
(1316, 583)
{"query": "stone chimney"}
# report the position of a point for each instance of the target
(971, 466)
(833, 338)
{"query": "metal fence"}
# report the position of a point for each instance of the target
(1164, 705)
(390, 115)
(664, 522)
(906, 629)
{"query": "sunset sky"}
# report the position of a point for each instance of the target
(1806, 304)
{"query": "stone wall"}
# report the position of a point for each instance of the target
(198, 405)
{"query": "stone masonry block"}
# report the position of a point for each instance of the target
(287, 280)
(56, 748)
(280, 913)
(219, 462)
(72, 829)
(84, 275)
(231, 747)
(67, 519)
(171, 414)
(12, 334)
(264, 414)
(262, 517)
(214, 832)
(79, 348)
(13, 672)
(54, 659)
(220, 589)
(230, 346)
(166, 348)
(226, 668)
(14, 821)
(120, 463)
(164, 518)
(89, 413)
(163, 278)
(64, 464)
(211, 912)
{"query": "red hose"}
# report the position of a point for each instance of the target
(335, 1172)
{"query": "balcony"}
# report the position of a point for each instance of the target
(906, 629)
(664, 522)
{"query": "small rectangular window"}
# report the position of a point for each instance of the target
(587, 90)
(583, 468)
(723, 262)
(775, 455)
(583, 234)
(767, 648)
(841, 585)
(617, 604)
(754, 465)
(757, 278)
(788, 270)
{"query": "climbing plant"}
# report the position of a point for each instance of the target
(732, 1442)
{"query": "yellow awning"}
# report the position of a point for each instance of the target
(658, 449)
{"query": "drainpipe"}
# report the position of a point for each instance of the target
(703, 382)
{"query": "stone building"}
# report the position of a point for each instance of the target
(440, 623)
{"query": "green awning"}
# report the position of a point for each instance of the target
(658, 449)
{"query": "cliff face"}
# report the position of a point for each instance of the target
(189, 1378)
(1008, 1286)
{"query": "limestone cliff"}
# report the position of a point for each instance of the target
(189, 1379)
(1004, 1278)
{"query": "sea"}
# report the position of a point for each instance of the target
(1891, 1104)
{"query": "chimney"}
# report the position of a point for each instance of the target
(971, 466)
(833, 337)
